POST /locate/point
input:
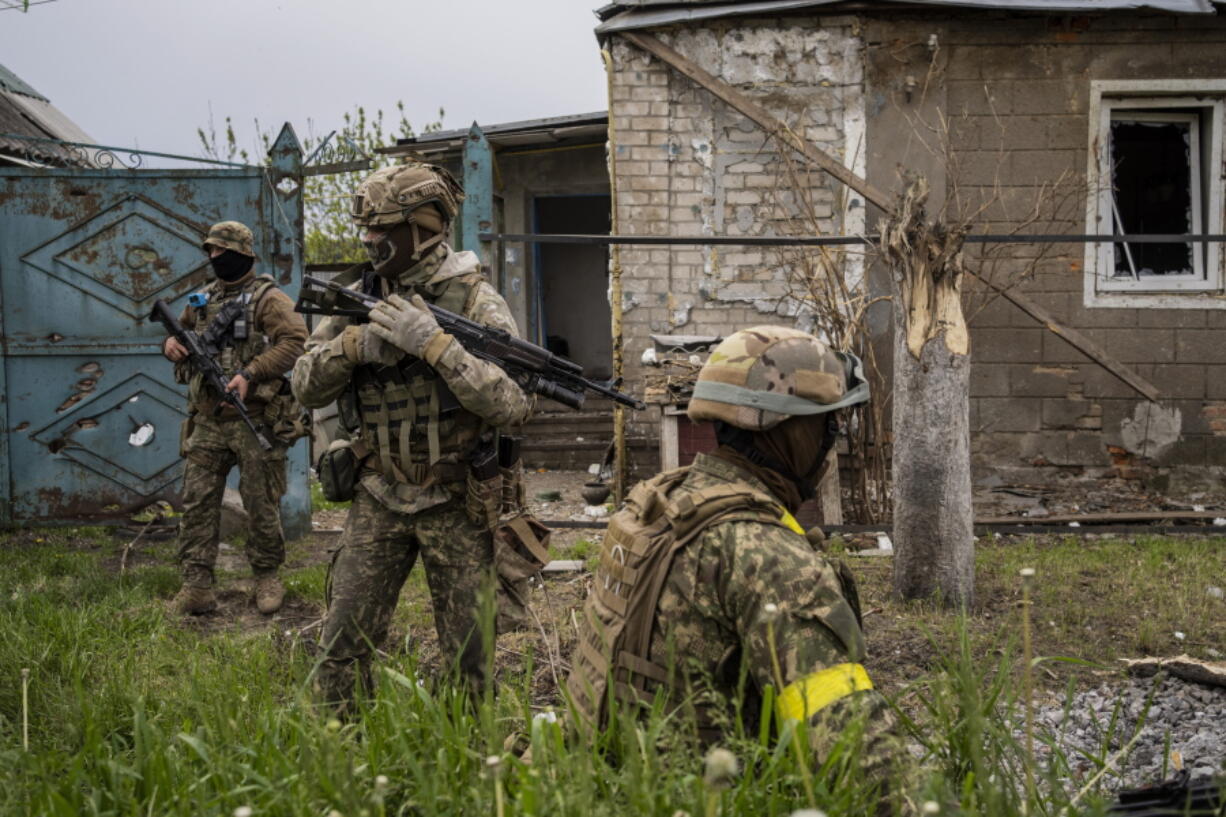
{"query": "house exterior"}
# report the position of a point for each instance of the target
(1037, 117)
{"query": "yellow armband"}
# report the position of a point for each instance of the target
(802, 699)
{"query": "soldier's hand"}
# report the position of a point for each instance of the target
(407, 325)
(374, 349)
(173, 350)
(238, 384)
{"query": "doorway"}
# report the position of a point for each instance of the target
(571, 314)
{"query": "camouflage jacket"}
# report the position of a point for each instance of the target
(710, 618)
(484, 391)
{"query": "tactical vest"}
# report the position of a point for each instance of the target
(407, 416)
(234, 353)
(656, 522)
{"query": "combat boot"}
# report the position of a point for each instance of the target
(194, 600)
(269, 593)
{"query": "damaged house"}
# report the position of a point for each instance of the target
(1046, 117)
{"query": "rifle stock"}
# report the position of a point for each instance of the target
(200, 360)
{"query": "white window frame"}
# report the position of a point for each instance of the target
(1152, 97)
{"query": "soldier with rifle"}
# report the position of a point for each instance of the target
(233, 345)
(422, 413)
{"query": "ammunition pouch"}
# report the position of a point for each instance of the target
(338, 469)
(283, 414)
(521, 547)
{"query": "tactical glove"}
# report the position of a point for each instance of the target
(364, 346)
(407, 325)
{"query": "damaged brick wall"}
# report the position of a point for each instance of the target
(688, 164)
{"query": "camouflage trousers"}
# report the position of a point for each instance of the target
(378, 549)
(212, 447)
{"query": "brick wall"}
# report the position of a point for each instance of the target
(687, 164)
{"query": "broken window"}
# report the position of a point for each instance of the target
(1155, 178)
(1153, 169)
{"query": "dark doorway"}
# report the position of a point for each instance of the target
(571, 312)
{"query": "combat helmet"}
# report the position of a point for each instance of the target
(231, 235)
(757, 378)
(422, 196)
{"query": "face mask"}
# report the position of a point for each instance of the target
(231, 265)
(393, 253)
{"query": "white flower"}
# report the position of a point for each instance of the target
(931, 807)
(243, 811)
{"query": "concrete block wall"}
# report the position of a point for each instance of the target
(688, 164)
(1017, 93)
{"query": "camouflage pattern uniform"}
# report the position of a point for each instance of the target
(213, 445)
(411, 489)
(704, 636)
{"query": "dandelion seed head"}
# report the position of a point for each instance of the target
(243, 811)
(932, 806)
(721, 767)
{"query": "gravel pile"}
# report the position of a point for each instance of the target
(1194, 715)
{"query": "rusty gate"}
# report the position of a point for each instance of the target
(89, 408)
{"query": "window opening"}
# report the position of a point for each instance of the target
(1155, 167)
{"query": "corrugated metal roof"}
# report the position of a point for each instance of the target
(632, 14)
(524, 133)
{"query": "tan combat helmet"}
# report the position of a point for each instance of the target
(756, 378)
(425, 196)
(231, 235)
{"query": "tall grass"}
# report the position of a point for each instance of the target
(132, 712)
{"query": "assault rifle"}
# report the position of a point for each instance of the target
(537, 370)
(198, 358)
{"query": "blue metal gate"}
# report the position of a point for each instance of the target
(90, 412)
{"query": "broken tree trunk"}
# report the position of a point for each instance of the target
(934, 535)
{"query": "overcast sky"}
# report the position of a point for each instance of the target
(145, 72)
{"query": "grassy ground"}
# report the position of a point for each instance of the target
(132, 710)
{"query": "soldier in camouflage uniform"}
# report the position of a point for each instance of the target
(703, 561)
(259, 342)
(419, 407)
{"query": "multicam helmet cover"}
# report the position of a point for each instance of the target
(391, 195)
(758, 377)
(231, 235)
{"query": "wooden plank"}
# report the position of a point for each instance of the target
(779, 129)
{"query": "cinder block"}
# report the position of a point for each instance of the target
(1041, 380)
(1215, 383)
(1085, 448)
(1136, 346)
(1057, 350)
(1171, 318)
(1044, 96)
(1200, 346)
(1010, 414)
(1185, 382)
(1069, 414)
(989, 380)
(1007, 345)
